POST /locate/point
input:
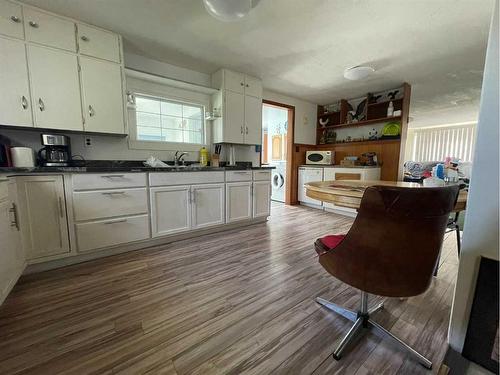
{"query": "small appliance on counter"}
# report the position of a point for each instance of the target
(57, 151)
(320, 157)
(370, 158)
(22, 157)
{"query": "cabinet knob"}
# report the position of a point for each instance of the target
(242, 84)
(24, 102)
(15, 19)
(246, 85)
(41, 105)
(84, 38)
(33, 24)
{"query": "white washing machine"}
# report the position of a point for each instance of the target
(278, 181)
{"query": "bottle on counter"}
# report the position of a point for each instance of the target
(203, 157)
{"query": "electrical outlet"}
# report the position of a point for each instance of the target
(87, 142)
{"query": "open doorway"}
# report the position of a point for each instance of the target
(277, 146)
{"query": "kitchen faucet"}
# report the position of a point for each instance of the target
(178, 158)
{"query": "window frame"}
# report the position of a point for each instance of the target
(168, 93)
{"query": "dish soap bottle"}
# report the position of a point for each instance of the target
(203, 157)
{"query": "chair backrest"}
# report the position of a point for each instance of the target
(394, 244)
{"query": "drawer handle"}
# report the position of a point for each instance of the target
(61, 207)
(114, 176)
(15, 19)
(41, 105)
(114, 193)
(24, 102)
(243, 172)
(115, 222)
(34, 24)
(91, 111)
(14, 222)
(85, 38)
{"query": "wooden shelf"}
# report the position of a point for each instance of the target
(361, 123)
(365, 142)
(329, 114)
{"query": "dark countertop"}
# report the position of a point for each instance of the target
(114, 167)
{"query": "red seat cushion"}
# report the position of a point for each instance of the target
(332, 241)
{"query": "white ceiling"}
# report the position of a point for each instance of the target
(301, 48)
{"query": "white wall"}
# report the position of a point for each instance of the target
(305, 116)
(481, 228)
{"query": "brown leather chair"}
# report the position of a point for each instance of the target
(391, 250)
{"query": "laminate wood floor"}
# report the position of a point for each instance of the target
(238, 302)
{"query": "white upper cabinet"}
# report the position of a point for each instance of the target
(240, 100)
(253, 120)
(49, 30)
(234, 81)
(234, 117)
(102, 96)
(98, 43)
(15, 104)
(253, 86)
(55, 89)
(11, 19)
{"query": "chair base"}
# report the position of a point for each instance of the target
(362, 321)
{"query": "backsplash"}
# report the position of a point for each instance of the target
(116, 148)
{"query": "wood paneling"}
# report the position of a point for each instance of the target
(236, 302)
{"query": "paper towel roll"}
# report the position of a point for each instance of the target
(22, 157)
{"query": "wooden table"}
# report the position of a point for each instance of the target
(348, 193)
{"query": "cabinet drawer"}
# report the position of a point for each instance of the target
(235, 176)
(44, 28)
(98, 43)
(90, 205)
(108, 181)
(185, 178)
(11, 19)
(99, 234)
(262, 175)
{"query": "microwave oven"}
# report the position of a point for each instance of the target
(320, 157)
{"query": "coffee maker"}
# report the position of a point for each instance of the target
(57, 151)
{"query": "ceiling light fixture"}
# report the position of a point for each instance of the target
(357, 73)
(229, 10)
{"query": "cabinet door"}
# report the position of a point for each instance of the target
(261, 198)
(98, 43)
(253, 120)
(49, 30)
(42, 215)
(15, 104)
(253, 87)
(309, 175)
(55, 89)
(11, 19)
(238, 201)
(170, 210)
(208, 205)
(234, 81)
(102, 96)
(234, 117)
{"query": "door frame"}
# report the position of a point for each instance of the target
(291, 175)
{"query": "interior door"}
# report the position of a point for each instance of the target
(238, 201)
(102, 96)
(235, 117)
(55, 89)
(253, 120)
(208, 205)
(170, 210)
(43, 220)
(15, 102)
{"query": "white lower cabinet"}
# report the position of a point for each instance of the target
(11, 253)
(42, 216)
(170, 210)
(261, 198)
(111, 232)
(238, 201)
(207, 205)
